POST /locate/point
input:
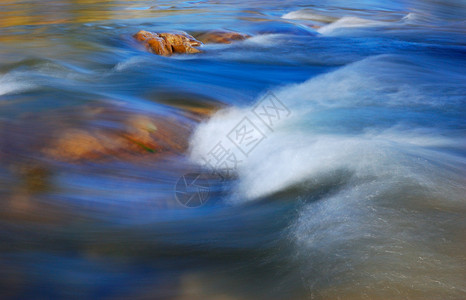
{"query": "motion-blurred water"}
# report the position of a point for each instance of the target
(358, 193)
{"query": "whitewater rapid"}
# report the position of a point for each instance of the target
(374, 152)
(370, 140)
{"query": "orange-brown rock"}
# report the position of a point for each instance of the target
(143, 35)
(166, 44)
(75, 144)
(159, 46)
(181, 42)
(221, 37)
(129, 135)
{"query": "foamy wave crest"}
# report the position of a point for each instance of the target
(329, 132)
(348, 22)
(307, 14)
(385, 80)
(10, 84)
(332, 25)
(263, 39)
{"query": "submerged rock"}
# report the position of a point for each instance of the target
(166, 44)
(75, 144)
(94, 132)
(128, 134)
(221, 37)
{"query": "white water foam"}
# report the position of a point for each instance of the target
(263, 39)
(294, 152)
(382, 208)
(309, 15)
(348, 22)
(13, 83)
(332, 25)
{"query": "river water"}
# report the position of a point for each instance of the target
(355, 189)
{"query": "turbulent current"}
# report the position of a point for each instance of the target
(330, 149)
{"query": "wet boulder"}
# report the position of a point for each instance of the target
(167, 44)
(221, 37)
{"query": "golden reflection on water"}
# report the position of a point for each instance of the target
(16, 13)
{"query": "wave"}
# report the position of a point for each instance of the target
(374, 152)
(30, 74)
(309, 15)
(333, 25)
(348, 22)
(14, 83)
(351, 120)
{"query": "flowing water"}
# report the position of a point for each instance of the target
(357, 191)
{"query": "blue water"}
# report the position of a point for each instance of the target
(357, 192)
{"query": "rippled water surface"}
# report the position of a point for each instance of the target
(355, 190)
